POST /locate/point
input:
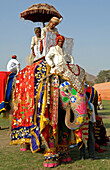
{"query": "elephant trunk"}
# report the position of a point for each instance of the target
(70, 125)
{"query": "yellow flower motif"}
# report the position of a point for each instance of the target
(16, 135)
(39, 68)
(14, 122)
(80, 119)
(79, 98)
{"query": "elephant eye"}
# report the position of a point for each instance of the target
(66, 91)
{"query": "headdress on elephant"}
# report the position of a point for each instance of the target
(37, 28)
(14, 56)
(59, 37)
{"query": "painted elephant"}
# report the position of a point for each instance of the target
(41, 114)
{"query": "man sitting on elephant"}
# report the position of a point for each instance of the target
(55, 56)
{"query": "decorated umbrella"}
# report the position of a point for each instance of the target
(41, 12)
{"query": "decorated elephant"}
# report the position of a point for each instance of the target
(48, 112)
(50, 105)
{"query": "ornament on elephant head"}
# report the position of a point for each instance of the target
(75, 105)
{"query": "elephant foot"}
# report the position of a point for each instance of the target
(24, 147)
(50, 163)
(64, 153)
(51, 158)
(66, 158)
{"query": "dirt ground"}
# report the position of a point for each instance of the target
(4, 137)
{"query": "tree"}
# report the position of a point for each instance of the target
(103, 76)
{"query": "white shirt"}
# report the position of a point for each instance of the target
(92, 117)
(13, 66)
(45, 29)
(34, 41)
(36, 44)
(55, 57)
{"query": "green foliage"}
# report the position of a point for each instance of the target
(103, 76)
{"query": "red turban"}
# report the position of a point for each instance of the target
(37, 28)
(59, 37)
(14, 56)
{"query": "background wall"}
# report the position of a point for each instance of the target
(104, 90)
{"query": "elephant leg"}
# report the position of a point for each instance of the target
(82, 152)
(91, 141)
(50, 155)
(63, 139)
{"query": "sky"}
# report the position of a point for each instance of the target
(86, 21)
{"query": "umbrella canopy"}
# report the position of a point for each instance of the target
(40, 13)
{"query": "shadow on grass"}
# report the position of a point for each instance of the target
(104, 113)
(4, 128)
(75, 154)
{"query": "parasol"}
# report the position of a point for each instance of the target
(41, 12)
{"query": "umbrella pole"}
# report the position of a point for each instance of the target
(43, 24)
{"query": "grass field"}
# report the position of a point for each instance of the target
(11, 158)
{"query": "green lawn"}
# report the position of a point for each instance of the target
(11, 158)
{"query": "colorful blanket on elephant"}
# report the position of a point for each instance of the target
(92, 93)
(46, 115)
(24, 102)
(6, 80)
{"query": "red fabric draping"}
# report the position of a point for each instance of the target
(4, 75)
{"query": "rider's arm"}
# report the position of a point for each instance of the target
(43, 32)
(17, 66)
(33, 44)
(49, 57)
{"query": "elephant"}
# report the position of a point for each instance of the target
(47, 111)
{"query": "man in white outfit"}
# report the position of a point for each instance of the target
(13, 65)
(36, 44)
(51, 26)
(55, 56)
